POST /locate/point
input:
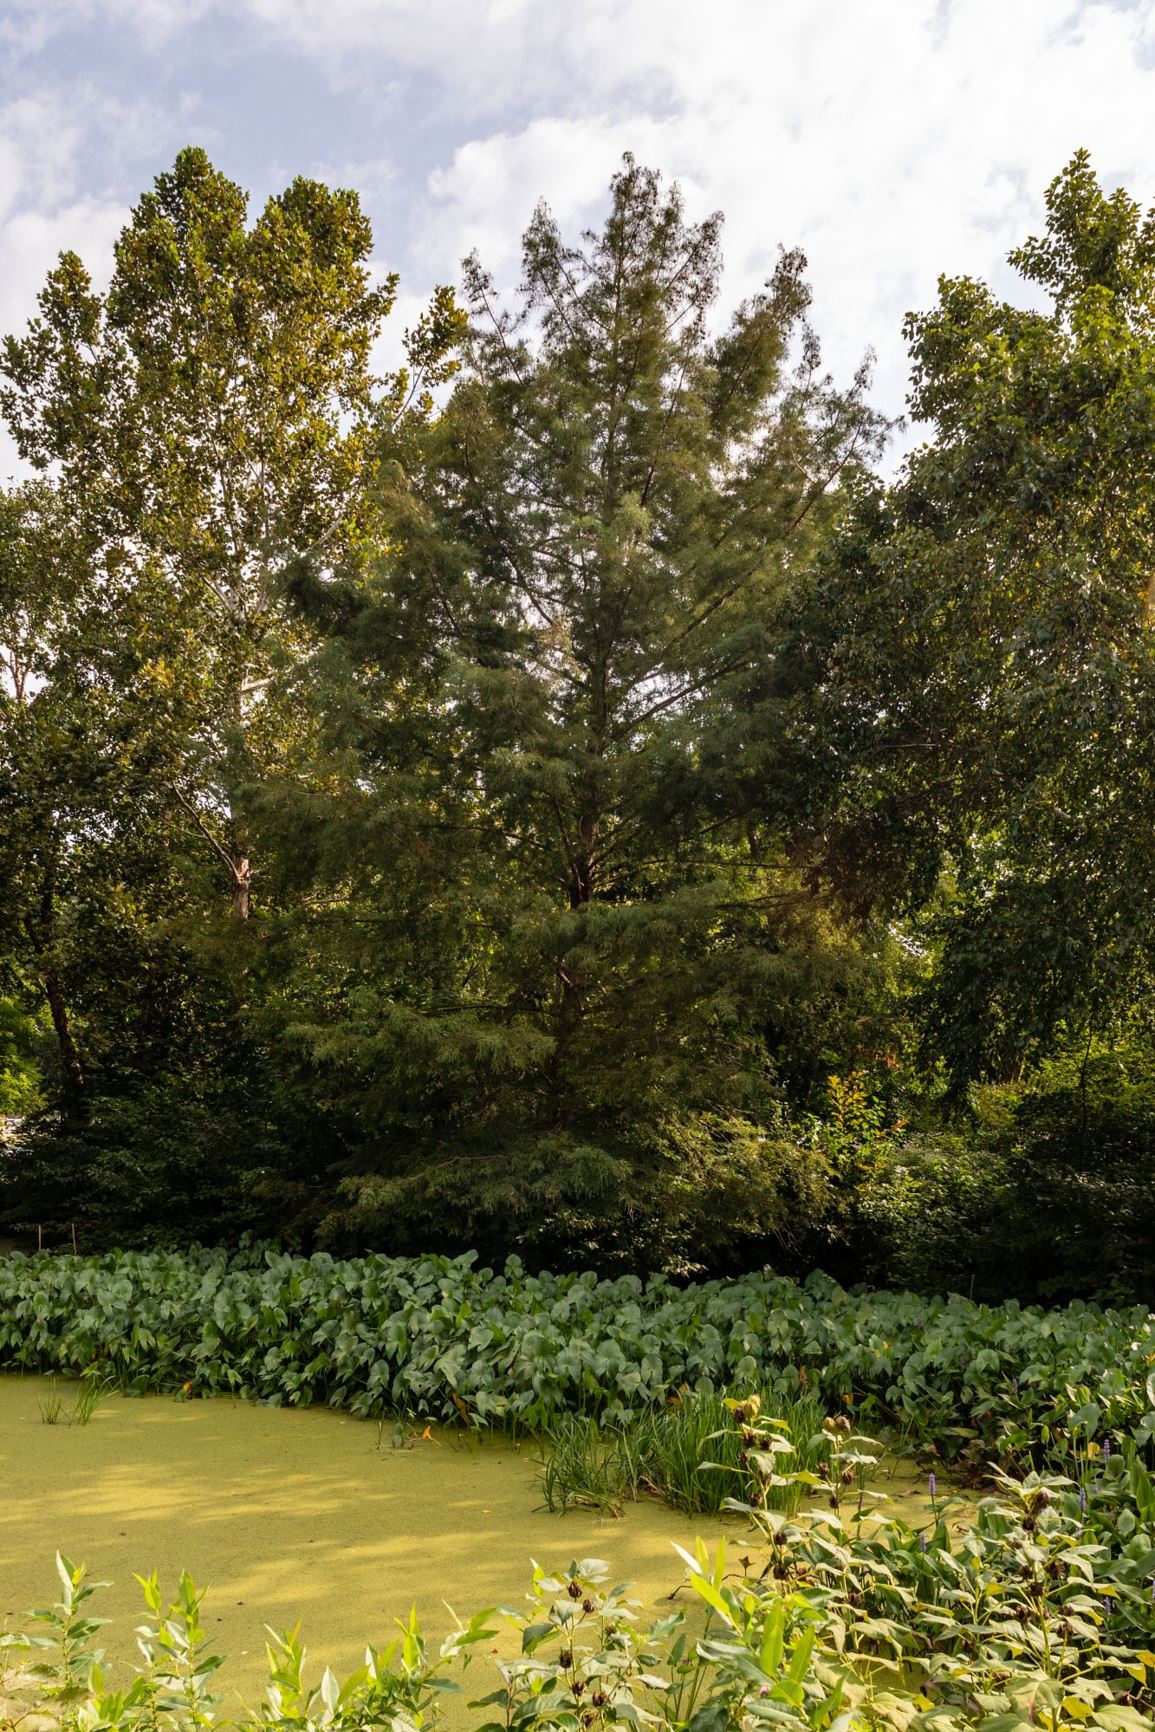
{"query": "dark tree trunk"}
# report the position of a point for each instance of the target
(572, 987)
(582, 863)
(72, 1070)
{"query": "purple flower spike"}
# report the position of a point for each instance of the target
(922, 1542)
(1082, 1500)
(933, 1484)
(1106, 1449)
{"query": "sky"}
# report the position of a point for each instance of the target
(893, 140)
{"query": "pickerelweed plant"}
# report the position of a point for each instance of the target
(440, 1339)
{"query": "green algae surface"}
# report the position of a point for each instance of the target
(306, 1514)
(290, 1514)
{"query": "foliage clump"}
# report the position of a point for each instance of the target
(449, 1339)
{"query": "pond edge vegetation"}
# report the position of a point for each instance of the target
(445, 1339)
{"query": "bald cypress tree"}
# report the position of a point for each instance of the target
(587, 557)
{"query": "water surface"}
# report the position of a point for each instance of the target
(308, 1514)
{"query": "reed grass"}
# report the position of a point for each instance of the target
(88, 1397)
(685, 1453)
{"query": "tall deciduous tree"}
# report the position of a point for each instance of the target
(205, 425)
(41, 779)
(208, 420)
(985, 652)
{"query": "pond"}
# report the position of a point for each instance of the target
(289, 1514)
(307, 1514)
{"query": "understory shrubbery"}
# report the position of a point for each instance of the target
(1043, 1194)
(1046, 1193)
(447, 1338)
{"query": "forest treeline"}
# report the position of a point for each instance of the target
(561, 796)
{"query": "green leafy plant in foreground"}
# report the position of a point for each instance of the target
(777, 1464)
(1041, 1612)
(583, 1662)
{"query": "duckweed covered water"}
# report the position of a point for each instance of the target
(306, 1514)
(290, 1514)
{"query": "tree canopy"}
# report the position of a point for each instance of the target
(986, 650)
(561, 795)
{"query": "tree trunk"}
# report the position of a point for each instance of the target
(572, 987)
(73, 1097)
(242, 877)
(582, 863)
(240, 872)
(73, 1070)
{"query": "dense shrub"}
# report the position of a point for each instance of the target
(1044, 1194)
(1048, 1194)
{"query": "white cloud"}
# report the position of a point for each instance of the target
(482, 199)
(891, 141)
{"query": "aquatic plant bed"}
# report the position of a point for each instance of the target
(443, 1338)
